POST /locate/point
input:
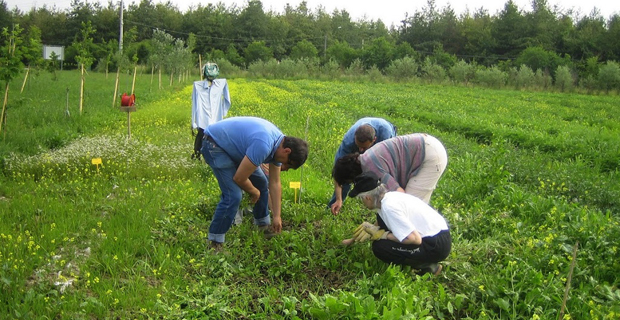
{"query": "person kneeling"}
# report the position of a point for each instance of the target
(408, 231)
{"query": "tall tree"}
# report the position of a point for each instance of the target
(52, 23)
(612, 43)
(379, 53)
(451, 39)
(510, 31)
(6, 19)
(588, 37)
(257, 51)
(544, 27)
(477, 34)
(251, 23)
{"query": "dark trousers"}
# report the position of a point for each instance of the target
(432, 250)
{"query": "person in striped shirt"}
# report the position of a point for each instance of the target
(411, 163)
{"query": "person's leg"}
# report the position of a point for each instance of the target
(424, 257)
(224, 168)
(261, 207)
(423, 184)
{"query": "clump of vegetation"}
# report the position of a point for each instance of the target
(531, 177)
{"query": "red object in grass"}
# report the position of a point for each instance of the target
(128, 100)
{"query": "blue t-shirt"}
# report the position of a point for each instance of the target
(383, 130)
(256, 138)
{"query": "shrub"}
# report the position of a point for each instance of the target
(542, 80)
(331, 70)
(227, 69)
(524, 78)
(564, 79)
(356, 68)
(462, 72)
(609, 76)
(402, 69)
(375, 75)
(432, 71)
(589, 83)
(491, 77)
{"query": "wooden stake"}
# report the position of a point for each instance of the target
(25, 78)
(159, 77)
(133, 83)
(82, 90)
(118, 73)
(200, 66)
(4, 104)
(570, 275)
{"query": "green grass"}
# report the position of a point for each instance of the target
(529, 176)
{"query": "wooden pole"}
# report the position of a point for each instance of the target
(25, 78)
(82, 90)
(570, 276)
(200, 66)
(4, 104)
(67, 108)
(133, 83)
(118, 73)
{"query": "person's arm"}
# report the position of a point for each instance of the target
(336, 206)
(413, 238)
(275, 194)
(242, 179)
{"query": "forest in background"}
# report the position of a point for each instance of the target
(159, 36)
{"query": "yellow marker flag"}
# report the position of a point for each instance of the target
(295, 185)
(97, 162)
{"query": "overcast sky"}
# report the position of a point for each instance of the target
(389, 11)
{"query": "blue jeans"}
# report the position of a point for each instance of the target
(345, 193)
(224, 169)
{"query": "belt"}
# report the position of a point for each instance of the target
(208, 138)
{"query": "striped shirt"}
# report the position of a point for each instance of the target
(395, 160)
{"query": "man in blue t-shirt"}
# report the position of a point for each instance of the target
(360, 137)
(235, 148)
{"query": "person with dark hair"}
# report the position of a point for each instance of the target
(411, 163)
(360, 137)
(408, 231)
(235, 148)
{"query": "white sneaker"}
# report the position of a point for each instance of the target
(240, 213)
(238, 217)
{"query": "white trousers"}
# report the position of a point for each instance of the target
(423, 184)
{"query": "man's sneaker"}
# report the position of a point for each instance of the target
(215, 246)
(267, 232)
(432, 268)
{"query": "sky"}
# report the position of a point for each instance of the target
(389, 11)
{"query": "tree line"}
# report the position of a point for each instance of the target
(541, 37)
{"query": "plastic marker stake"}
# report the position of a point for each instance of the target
(97, 162)
(295, 185)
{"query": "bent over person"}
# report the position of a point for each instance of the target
(411, 163)
(408, 231)
(362, 135)
(235, 148)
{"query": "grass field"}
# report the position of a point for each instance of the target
(532, 178)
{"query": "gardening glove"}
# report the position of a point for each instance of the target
(369, 231)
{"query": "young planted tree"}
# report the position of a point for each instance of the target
(83, 44)
(52, 65)
(162, 47)
(32, 51)
(10, 63)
